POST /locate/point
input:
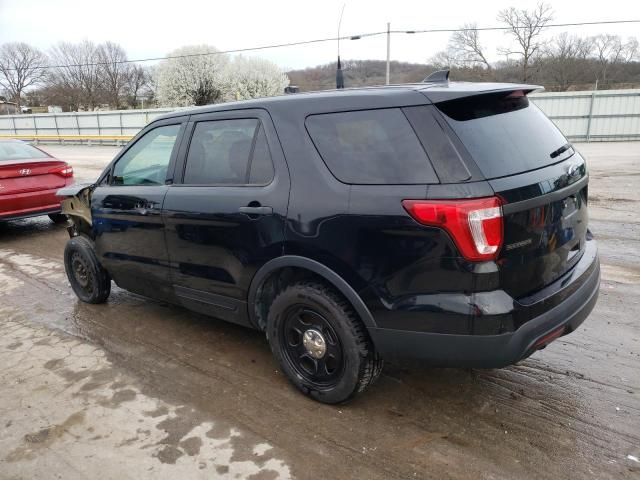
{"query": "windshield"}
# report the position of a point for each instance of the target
(505, 133)
(10, 151)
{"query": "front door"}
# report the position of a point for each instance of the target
(225, 218)
(126, 209)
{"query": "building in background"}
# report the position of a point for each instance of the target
(8, 108)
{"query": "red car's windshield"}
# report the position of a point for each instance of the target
(10, 151)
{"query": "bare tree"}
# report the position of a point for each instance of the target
(525, 26)
(632, 50)
(611, 51)
(466, 47)
(114, 71)
(77, 73)
(21, 67)
(446, 58)
(566, 60)
(139, 85)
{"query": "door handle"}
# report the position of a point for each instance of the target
(143, 208)
(257, 210)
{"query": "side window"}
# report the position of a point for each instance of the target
(441, 150)
(371, 147)
(146, 162)
(261, 170)
(228, 152)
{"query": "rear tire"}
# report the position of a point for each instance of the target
(89, 280)
(58, 218)
(320, 343)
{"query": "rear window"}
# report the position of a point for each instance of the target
(371, 147)
(504, 133)
(10, 151)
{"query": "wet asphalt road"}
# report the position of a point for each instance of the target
(139, 389)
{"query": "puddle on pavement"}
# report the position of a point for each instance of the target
(216, 380)
(91, 410)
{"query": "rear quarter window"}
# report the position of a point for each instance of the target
(370, 147)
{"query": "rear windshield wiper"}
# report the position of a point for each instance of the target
(561, 150)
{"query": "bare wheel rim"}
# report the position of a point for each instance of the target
(82, 273)
(311, 346)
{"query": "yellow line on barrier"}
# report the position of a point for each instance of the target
(68, 137)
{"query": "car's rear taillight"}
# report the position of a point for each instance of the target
(63, 170)
(475, 225)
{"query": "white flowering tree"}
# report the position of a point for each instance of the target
(195, 78)
(251, 77)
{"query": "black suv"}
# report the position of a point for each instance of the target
(440, 221)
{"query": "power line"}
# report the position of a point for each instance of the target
(218, 52)
(323, 40)
(484, 29)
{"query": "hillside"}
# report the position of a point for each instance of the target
(552, 75)
(357, 73)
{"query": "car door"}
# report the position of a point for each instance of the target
(225, 217)
(126, 209)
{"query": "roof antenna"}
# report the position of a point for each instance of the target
(440, 76)
(339, 75)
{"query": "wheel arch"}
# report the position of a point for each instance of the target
(313, 267)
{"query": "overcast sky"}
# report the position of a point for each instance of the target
(154, 28)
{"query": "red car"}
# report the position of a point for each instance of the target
(29, 180)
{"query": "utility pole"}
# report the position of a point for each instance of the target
(388, 48)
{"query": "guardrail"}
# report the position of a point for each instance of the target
(606, 115)
(101, 127)
(62, 139)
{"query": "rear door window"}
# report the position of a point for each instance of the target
(229, 152)
(371, 147)
(504, 133)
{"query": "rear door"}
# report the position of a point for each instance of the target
(126, 208)
(225, 217)
(540, 177)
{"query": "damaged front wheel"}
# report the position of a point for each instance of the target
(89, 280)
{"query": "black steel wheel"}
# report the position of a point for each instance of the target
(312, 346)
(89, 280)
(81, 272)
(320, 343)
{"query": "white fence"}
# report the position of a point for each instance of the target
(119, 122)
(607, 115)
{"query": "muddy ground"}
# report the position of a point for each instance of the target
(139, 389)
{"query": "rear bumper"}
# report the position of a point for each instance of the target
(37, 212)
(29, 204)
(495, 351)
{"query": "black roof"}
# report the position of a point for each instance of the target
(434, 93)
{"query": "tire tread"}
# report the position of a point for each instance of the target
(371, 366)
(84, 245)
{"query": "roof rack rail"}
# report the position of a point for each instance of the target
(440, 76)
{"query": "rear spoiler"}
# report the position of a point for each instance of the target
(438, 92)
